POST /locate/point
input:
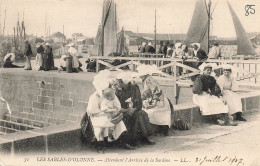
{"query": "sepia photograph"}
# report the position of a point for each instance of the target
(130, 82)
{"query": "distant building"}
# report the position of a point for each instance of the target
(76, 36)
(57, 37)
(137, 38)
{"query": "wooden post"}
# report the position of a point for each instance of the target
(175, 83)
(209, 5)
(249, 71)
(238, 68)
(155, 32)
(243, 69)
(4, 23)
(132, 65)
(97, 66)
(255, 72)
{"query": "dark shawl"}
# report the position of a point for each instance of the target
(208, 84)
(138, 123)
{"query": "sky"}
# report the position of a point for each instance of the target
(84, 16)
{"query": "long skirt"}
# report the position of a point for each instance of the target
(87, 130)
(39, 61)
(160, 114)
(51, 61)
(209, 104)
(101, 126)
(46, 64)
(233, 101)
(75, 61)
(92, 133)
(138, 125)
(28, 62)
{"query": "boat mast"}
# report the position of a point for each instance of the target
(46, 24)
(155, 32)
(137, 37)
(4, 23)
(0, 22)
(209, 5)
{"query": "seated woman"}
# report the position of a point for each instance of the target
(227, 85)
(97, 119)
(156, 105)
(8, 61)
(63, 64)
(135, 119)
(207, 95)
(76, 64)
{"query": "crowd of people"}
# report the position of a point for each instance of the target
(121, 112)
(44, 58)
(180, 50)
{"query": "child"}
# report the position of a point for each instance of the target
(148, 101)
(111, 106)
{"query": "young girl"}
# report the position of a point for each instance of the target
(110, 106)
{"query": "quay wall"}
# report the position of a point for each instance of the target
(44, 98)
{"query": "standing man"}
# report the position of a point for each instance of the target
(165, 48)
(28, 55)
(214, 52)
(160, 48)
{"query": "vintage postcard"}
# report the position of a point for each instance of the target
(130, 82)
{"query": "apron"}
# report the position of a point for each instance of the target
(233, 101)
(209, 104)
(161, 113)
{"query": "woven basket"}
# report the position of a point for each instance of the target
(183, 124)
(117, 118)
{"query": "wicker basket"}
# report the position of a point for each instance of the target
(117, 118)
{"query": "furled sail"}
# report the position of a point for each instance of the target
(109, 24)
(121, 46)
(98, 40)
(198, 30)
(244, 45)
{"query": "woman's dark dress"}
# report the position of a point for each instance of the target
(137, 124)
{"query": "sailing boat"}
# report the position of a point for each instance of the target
(199, 29)
(108, 42)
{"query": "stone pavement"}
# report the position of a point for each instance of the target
(205, 144)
